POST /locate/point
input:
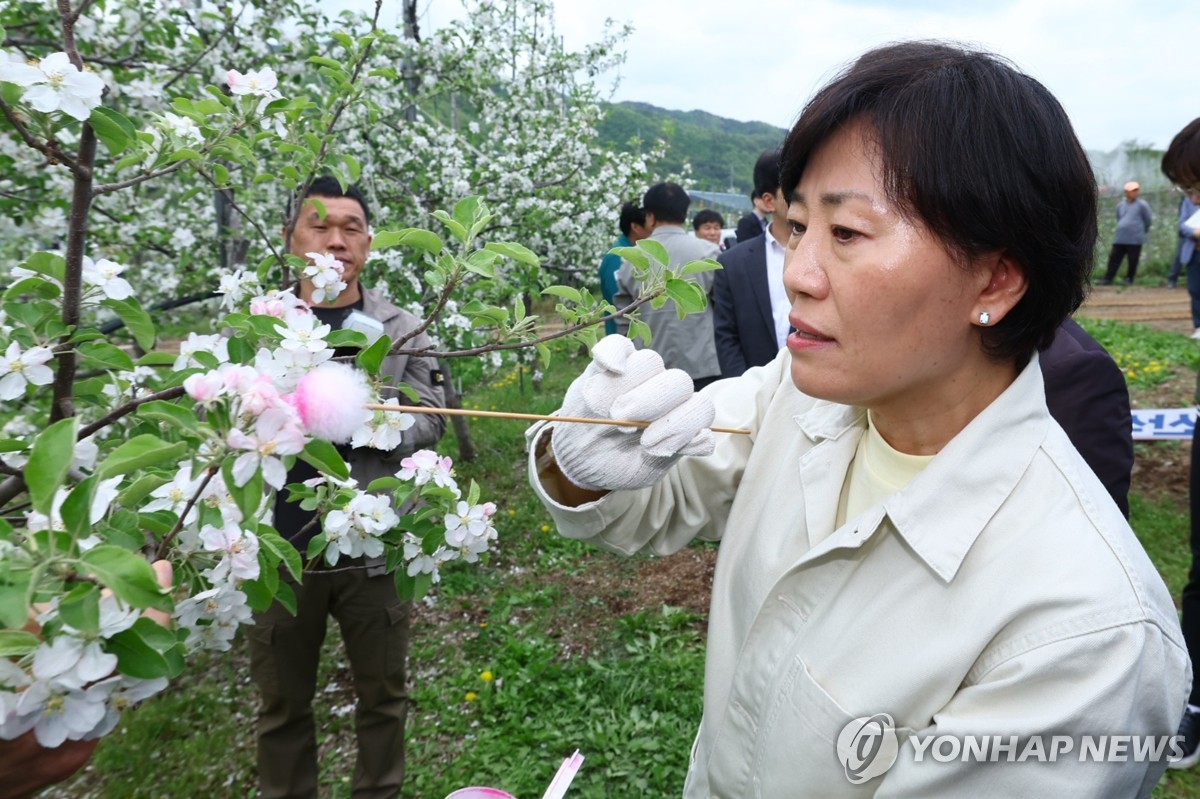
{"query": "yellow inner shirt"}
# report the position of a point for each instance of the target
(875, 471)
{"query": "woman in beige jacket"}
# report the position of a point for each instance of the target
(922, 589)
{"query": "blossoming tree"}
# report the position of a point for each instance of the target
(114, 453)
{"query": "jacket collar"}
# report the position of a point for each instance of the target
(943, 510)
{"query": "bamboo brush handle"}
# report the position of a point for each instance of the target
(529, 417)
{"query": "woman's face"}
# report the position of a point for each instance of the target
(883, 315)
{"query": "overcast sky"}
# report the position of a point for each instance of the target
(1121, 69)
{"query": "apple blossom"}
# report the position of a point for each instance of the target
(20, 369)
(55, 84)
(259, 83)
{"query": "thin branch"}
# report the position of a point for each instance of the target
(163, 545)
(53, 154)
(108, 188)
(126, 409)
(208, 48)
(429, 352)
(442, 299)
(267, 239)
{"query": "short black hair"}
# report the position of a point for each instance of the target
(668, 202)
(766, 173)
(631, 213)
(706, 216)
(326, 186)
(984, 156)
(1181, 161)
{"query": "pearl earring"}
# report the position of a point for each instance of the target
(984, 318)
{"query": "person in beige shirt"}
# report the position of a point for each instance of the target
(914, 558)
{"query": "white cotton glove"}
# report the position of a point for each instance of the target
(626, 383)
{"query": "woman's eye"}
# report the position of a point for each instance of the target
(795, 227)
(843, 234)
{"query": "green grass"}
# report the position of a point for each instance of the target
(517, 663)
(1147, 356)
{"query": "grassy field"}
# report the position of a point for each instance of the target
(550, 647)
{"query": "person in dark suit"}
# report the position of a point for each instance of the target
(1181, 165)
(1086, 394)
(750, 306)
(766, 180)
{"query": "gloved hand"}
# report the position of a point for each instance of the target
(626, 383)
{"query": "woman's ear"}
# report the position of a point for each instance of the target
(1005, 287)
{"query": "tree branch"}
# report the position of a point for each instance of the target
(128, 408)
(53, 154)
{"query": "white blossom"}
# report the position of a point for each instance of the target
(55, 84)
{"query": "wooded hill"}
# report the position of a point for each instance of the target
(721, 151)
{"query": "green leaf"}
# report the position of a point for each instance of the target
(49, 461)
(48, 264)
(282, 550)
(248, 497)
(457, 230)
(656, 250)
(544, 354)
(240, 350)
(316, 545)
(633, 255)
(77, 508)
(171, 414)
(424, 240)
(412, 588)
(408, 391)
(183, 154)
(694, 267)
(140, 452)
(325, 457)
(114, 129)
(135, 318)
(325, 62)
(639, 328)
(384, 484)
(689, 296)
(103, 355)
(156, 358)
(370, 359)
(37, 286)
(518, 252)
(17, 643)
(14, 611)
(285, 596)
(80, 608)
(352, 167)
(127, 574)
(137, 656)
(482, 262)
(209, 107)
(566, 292)
(140, 489)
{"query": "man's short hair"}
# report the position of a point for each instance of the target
(981, 154)
(766, 173)
(706, 216)
(668, 202)
(1181, 161)
(630, 213)
(326, 186)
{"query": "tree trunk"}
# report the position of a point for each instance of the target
(466, 447)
